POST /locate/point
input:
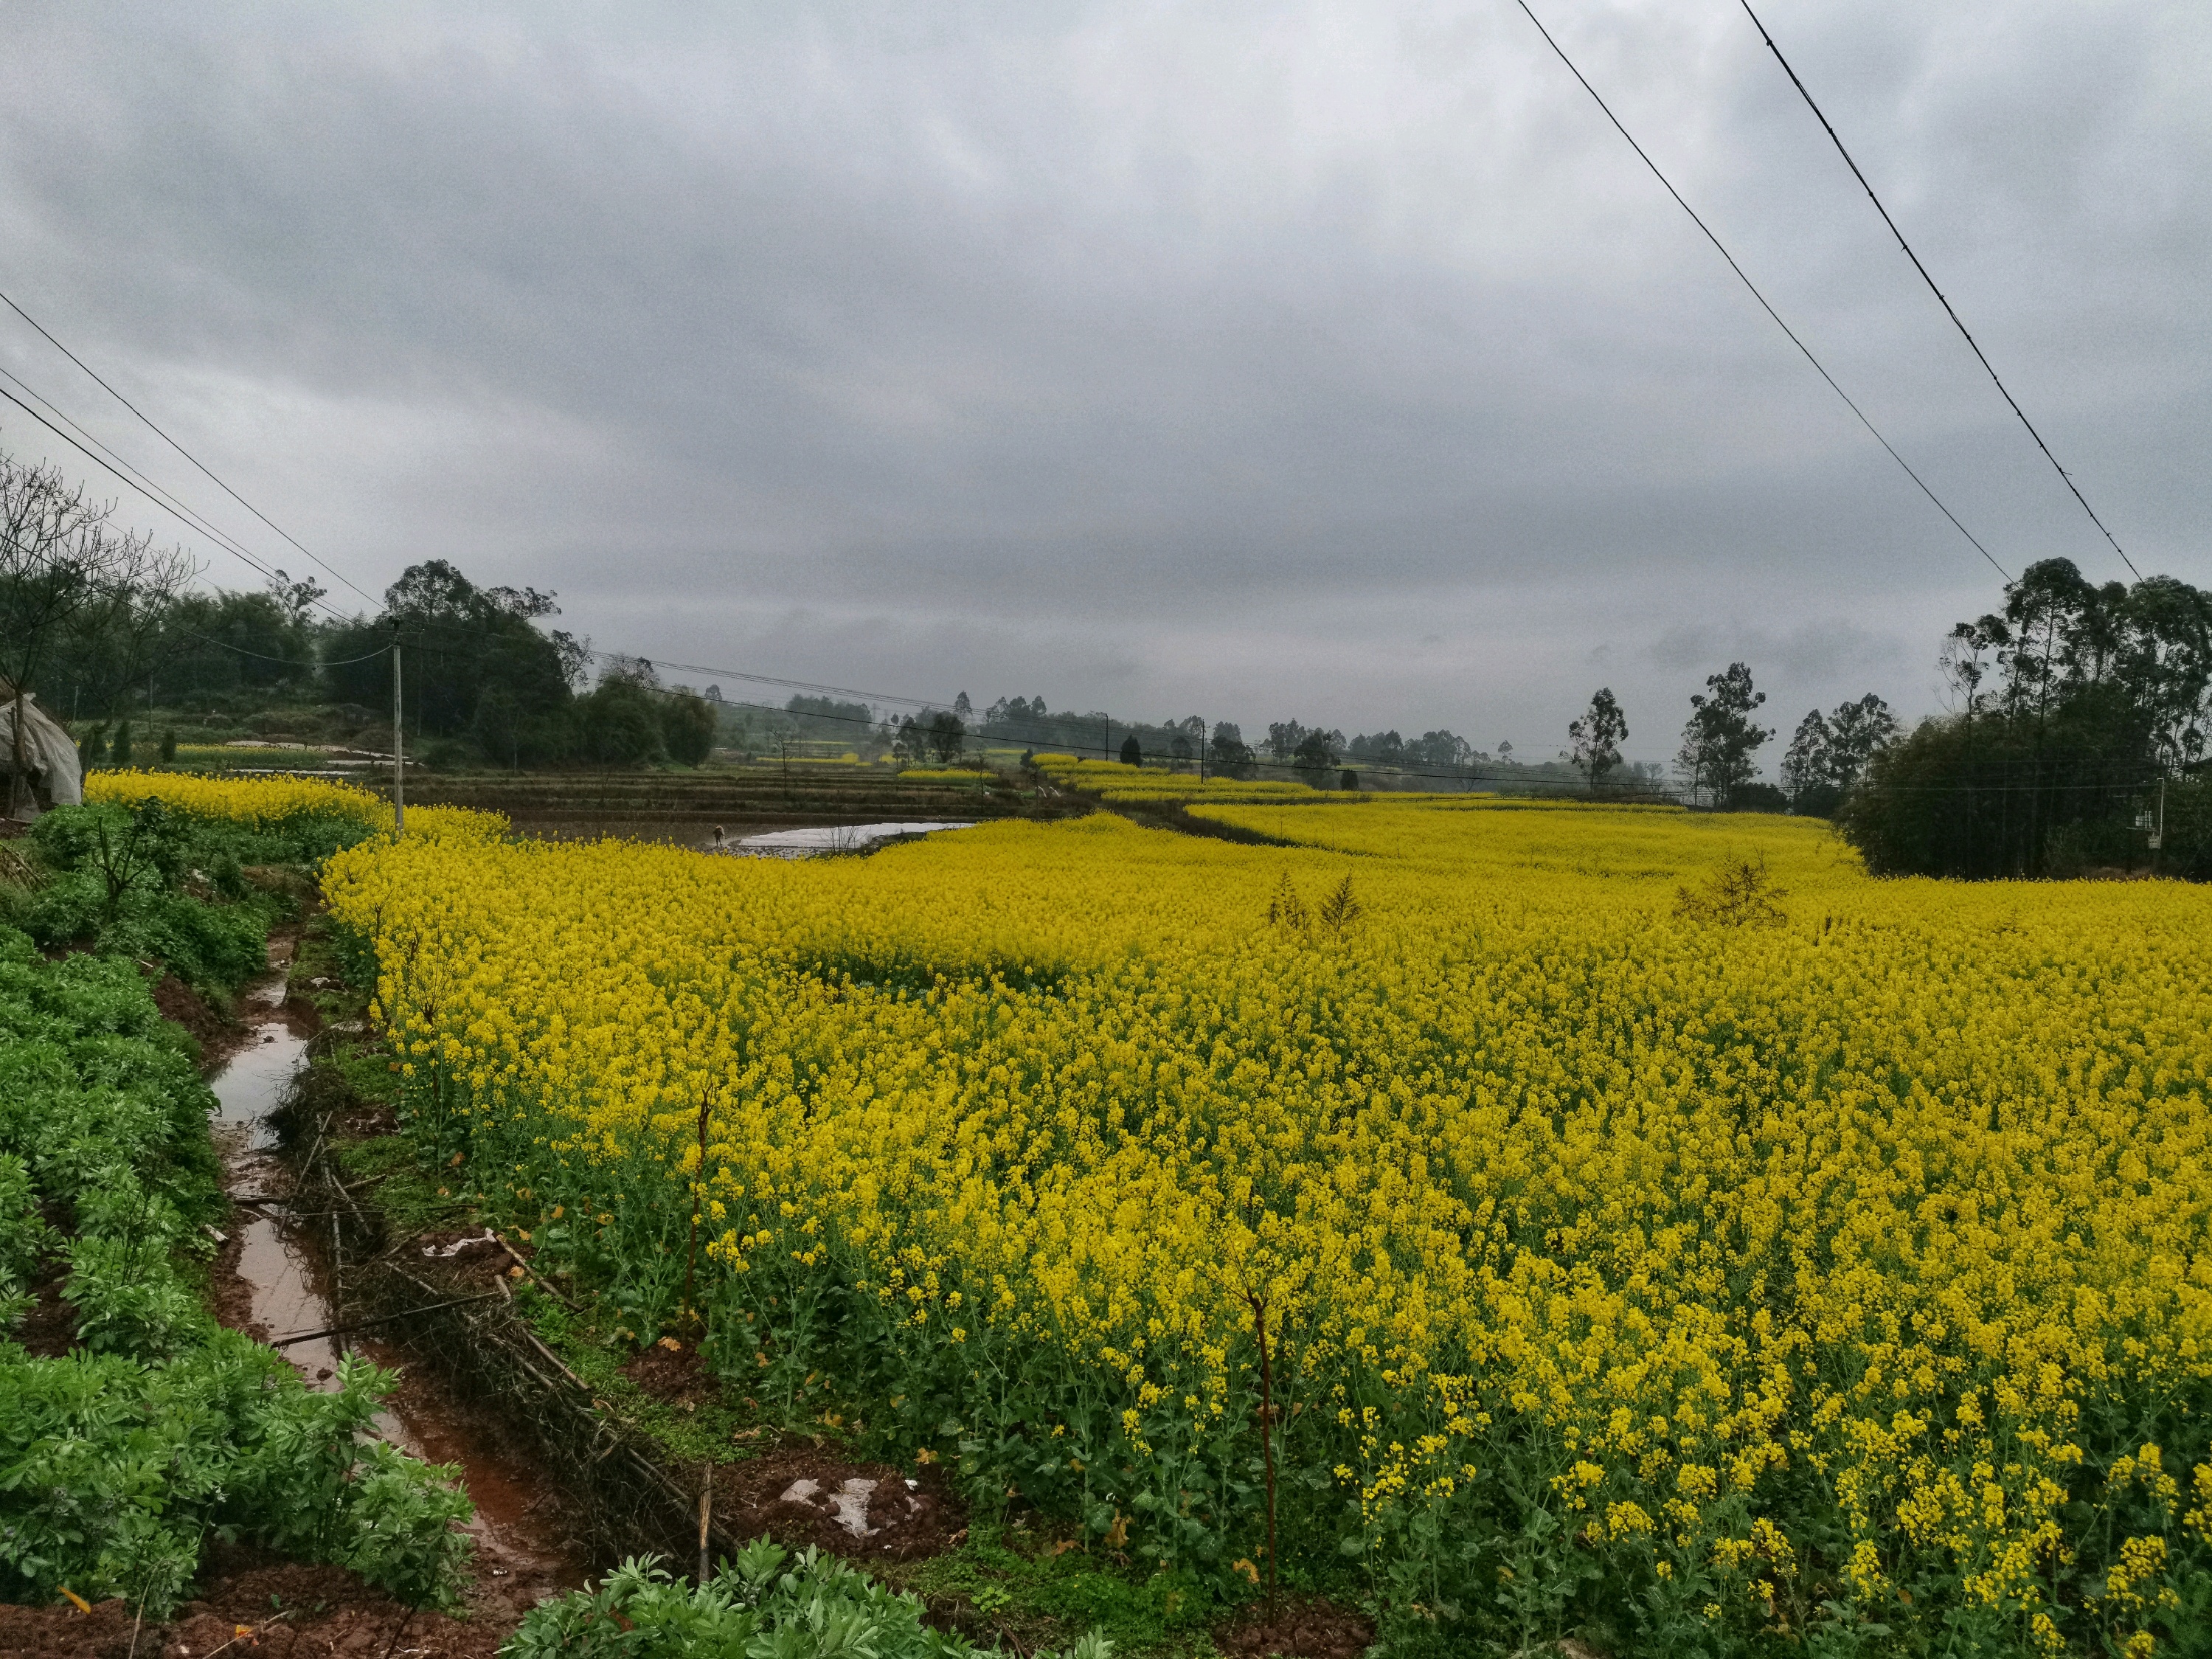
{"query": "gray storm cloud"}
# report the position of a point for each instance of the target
(1258, 360)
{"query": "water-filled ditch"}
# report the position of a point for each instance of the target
(276, 1281)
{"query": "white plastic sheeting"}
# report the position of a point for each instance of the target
(49, 751)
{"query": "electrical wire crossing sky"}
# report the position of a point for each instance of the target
(1268, 362)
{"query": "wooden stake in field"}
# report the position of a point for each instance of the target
(399, 745)
(698, 1201)
(1259, 1305)
(706, 1514)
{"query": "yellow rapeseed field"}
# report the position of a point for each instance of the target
(1701, 1264)
(1114, 781)
(268, 803)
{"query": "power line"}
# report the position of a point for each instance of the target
(88, 444)
(317, 664)
(788, 685)
(179, 447)
(1828, 127)
(129, 483)
(138, 481)
(1745, 278)
(128, 476)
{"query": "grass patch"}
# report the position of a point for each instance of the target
(408, 1201)
(685, 1436)
(1039, 1590)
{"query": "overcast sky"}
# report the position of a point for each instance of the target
(1256, 360)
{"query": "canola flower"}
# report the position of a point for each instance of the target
(1843, 1268)
(1112, 780)
(270, 802)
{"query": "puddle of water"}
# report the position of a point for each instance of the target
(830, 838)
(285, 1266)
(286, 1281)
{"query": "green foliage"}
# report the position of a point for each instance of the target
(23, 1238)
(119, 874)
(215, 947)
(1996, 794)
(2071, 704)
(1021, 1579)
(456, 641)
(143, 846)
(118, 1461)
(618, 724)
(113, 1471)
(687, 724)
(821, 1608)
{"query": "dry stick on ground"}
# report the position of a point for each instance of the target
(137, 1619)
(254, 1635)
(384, 1319)
(706, 1514)
(564, 1301)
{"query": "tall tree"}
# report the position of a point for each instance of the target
(1317, 754)
(688, 726)
(458, 639)
(618, 723)
(1597, 737)
(1283, 740)
(946, 735)
(1720, 742)
(1232, 757)
(1807, 766)
(1856, 732)
(1133, 752)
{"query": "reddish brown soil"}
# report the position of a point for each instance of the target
(229, 1291)
(904, 1522)
(216, 1033)
(261, 1612)
(1303, 1628)
(676, 1375)
(48, 1330)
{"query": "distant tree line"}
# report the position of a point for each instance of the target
(2077, 737)
(2078, 733)
(482, 680)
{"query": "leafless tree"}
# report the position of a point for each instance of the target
(68, 572)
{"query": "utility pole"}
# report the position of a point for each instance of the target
(398, 741)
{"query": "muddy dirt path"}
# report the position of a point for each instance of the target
(274, 1280)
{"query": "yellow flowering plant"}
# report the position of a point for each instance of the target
(1704, 1285)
